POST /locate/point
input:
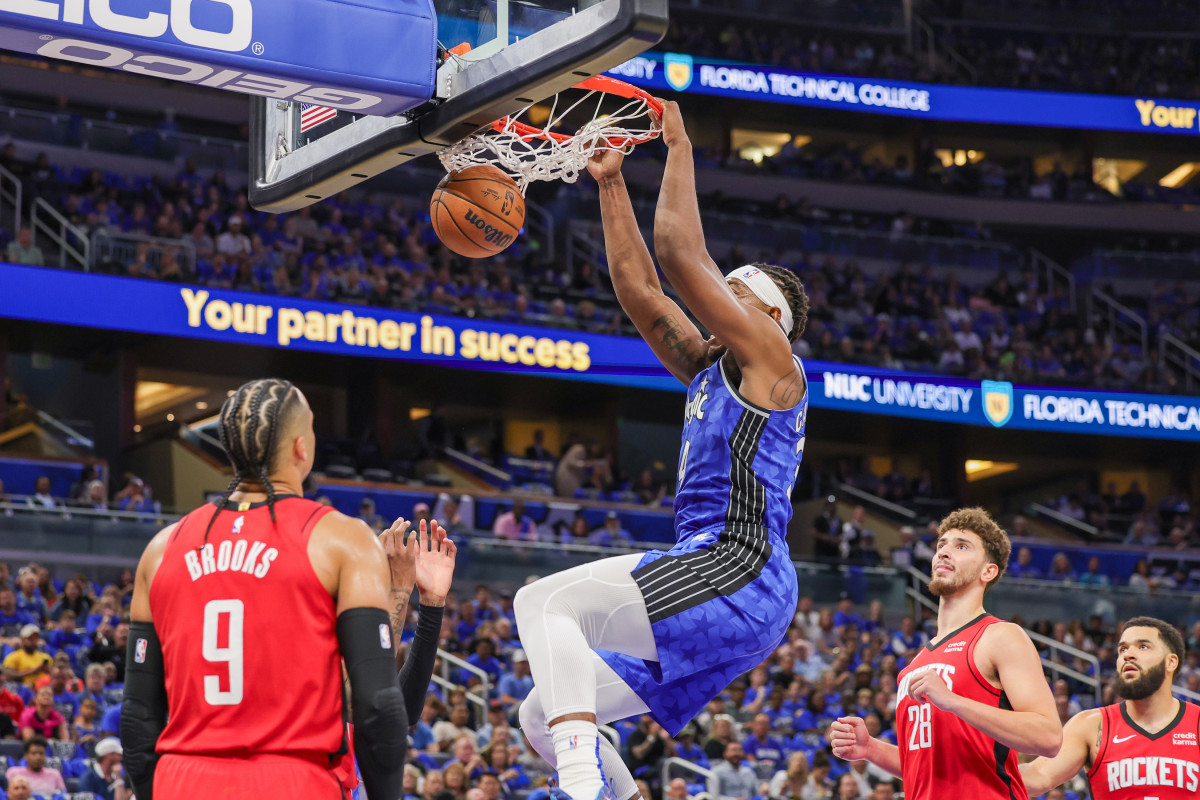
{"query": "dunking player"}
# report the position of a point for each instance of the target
(1147, 746)
(242, 615)
(667, 631)
(972, 698)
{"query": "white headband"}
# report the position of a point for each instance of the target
(765, 289)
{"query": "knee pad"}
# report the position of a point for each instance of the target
(531, 715)
(383, 724)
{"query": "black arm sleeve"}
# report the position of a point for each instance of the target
(418, 667)
(144, 707)
(380, 722)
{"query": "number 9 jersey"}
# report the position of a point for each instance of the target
(248, 635)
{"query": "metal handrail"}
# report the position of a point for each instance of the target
(581, 244)
(67, 430)
(475, 463)
(472, 697)
(1083, 528)
(12, 196)
(1179, 691)
(62, 236)
(1187, 359)
(1054, 270)
(612, 735)
(1114, 310)
(541, 222)
(877, 501)
(448, 658)
(710, 777)
(105, 240)
(1055, 668)
(945, 50)
(25, 505)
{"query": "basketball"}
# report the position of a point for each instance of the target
(478, 211)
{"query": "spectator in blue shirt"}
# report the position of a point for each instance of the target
(498, 757)
(65, 701)
(64, 635)
(102, 779)
(687, 748)
(908, 640)
(1093, 576)
(467, 624)
(105, 614)
(29, 597)
(497, 730)
(1060, 568)
(110, 723)
(845, 614)
(515, 686)
(485, 607)
(1023, 568)
(93, 686)
(611, 533)
(12, 619)
(485, 659)
(760, 747)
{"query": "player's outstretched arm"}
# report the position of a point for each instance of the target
(850, 742)
(1032, 725)
(1043, 774)
(436, 556)
(679, 246)
(660, 321)
(362, 580)
(144, 707)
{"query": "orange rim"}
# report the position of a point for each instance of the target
(598, 83)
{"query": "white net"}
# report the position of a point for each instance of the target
(538, 153)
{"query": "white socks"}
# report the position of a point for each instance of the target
(577, 751)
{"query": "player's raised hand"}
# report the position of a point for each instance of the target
(605, 164)
(436, 554)
(849, 738)
(401, 555)
(673, 132)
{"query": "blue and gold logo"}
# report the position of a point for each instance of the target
(998, 402)
(677, 68)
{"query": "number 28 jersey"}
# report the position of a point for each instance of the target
(248, 634)
(940, 754)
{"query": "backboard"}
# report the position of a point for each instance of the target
(521, 52)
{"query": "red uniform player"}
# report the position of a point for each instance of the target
(243, 613)
(973, 697)
(1147, 747)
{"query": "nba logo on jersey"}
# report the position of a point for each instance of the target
(385, 637)
(139, 653)
(237, 525)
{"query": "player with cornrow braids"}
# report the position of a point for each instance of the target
(243, 613)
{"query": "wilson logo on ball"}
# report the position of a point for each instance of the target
(490, 234)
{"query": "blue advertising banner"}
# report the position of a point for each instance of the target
(165, 309)
(666, 72)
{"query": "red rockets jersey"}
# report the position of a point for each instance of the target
(1135, 765)
(940, 755)
(248, 634)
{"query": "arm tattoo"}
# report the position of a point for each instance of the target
(399, 613)
(673, 338)
(788, 390)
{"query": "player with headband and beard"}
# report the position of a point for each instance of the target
(664, 632)
(1146, 746)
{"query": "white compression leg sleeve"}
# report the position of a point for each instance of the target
(562, 618)
(614, 701)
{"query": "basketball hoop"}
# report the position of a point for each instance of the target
(536, 153)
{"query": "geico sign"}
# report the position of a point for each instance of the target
(104, 55)
(151, 26)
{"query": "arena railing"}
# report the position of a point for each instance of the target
(710, 777)
(72, 242)
(1182, 357)
(1054, 273)
(1119, 316)
(1078, 527)
(109, 244)
(449, 685)
(98, 135)
(72, 436)
(877, 503)
(496, 477)
(448, 659)
(10, 194)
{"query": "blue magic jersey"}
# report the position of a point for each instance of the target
(720, 601)
(738, 462)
